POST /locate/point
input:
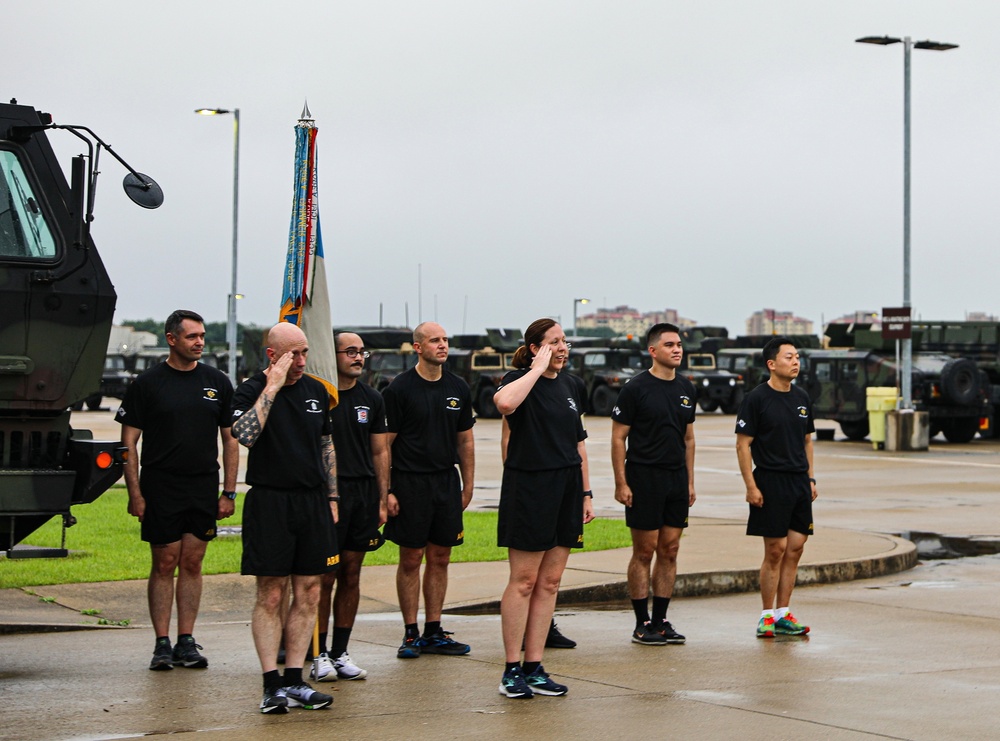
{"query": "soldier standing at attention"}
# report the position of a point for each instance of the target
(182, 406)
(654, 478)
(361, 439)
(774, 447)
(429, 411)
(282, 416)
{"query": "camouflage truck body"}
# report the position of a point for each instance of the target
(604, 371)
(56, 309)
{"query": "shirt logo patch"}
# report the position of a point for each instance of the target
(803, 412)
(363, 413)
(572, 402)
(741, 423)
(313, 407)
(686, 402)
(121, 411)
(210, 394)
(453, 403)
(616, 411)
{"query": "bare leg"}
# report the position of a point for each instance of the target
(189, 582)
(516, 600)
(435, 580)
(789, 565)
(325, 597)
(266, 622)
(643, 546)
(408, 582)
(160, 588)
(770, 568)
(543, 601)
(301, 618)
(345, 601)
(668, 543)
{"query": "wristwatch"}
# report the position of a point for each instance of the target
(229, 495)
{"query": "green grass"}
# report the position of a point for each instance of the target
(105, 546)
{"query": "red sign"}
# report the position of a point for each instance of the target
(896, 323)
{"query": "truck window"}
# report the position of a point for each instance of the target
(849, 372)
(24, 232)
(596, 358)
(823, 372)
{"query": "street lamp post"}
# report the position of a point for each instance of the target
(907, 385)
(233, 293)
(575, 302)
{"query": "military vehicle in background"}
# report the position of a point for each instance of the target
(715, 387)
(57, 304)
(391, 351)
(483, 361)
(953, 390)
(605, 370)
(745, 356)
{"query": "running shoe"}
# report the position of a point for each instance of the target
(555, 639)
(514, 684)
(789, 626)
(186, 654)
(410, 649)
(347, 669)
(440, 643)
(304, 696)
(274, 701)
(765, 627)
(646, 635)
(323, 670)
(541, 684)
(163, 658)
(667, 631)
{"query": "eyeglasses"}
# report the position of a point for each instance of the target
(353, 352)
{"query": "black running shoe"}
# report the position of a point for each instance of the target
(667, 631)
(441, 643)
(555, 639)
(274, 701)
(646, 635)
(162, 657)
(303, 696)
(186, 654)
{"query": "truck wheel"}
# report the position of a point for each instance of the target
(856, 430)
(708, 405)
(603, 401)
(960, 381)
(484, 403)
(94, 402)
(733, 407)
(960, 430)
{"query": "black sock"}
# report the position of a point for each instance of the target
(338, 645)
(641, 609)
(432, 627)
(272, 680)
(412, 630)
(322, 643)
(162, 639)
(293, 676)
(512, 665)
(660, 605)
(181, 636)
(530, 666)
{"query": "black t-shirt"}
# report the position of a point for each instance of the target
(657, 413)
(579, 391)
(427, 417)
(359, 415)
(778, 422)
(546, 428)
(179, 413)
(289, 452)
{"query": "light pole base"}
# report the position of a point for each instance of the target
(906, 429)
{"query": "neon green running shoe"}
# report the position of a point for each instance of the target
(765, 627)
(789, 626)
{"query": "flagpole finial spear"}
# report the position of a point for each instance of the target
(306, 115)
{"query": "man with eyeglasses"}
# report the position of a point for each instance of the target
(360, 437)
(429, 411)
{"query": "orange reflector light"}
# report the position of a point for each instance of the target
(104, 460)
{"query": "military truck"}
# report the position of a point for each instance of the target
(715, 388)
(56, 304)
(604, 371)
(952, 390)
(483, 361)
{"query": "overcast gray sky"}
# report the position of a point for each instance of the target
(712, 156)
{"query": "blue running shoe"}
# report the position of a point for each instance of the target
(410, 648)
(515, 685)
(540, 683)
(440, 643)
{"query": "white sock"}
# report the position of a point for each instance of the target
(767, 614)
(780, 613)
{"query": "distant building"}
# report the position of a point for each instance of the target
(859, 317)
(772, 321)
(980, 316)
(626, 320)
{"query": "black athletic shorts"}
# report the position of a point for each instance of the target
(430, 509)
(787, 504)
(178, 504)
(288, 531)
(540, 510)
(357, 515)
(660, 497)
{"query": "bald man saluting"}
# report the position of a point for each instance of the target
(290, 511)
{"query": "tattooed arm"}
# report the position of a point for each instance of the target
(330, 464)
(249, 425)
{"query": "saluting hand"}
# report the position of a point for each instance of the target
(277, 372)
(542, 358)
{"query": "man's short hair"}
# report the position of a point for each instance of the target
(173, 323)
(653, 335)
(773, 346)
